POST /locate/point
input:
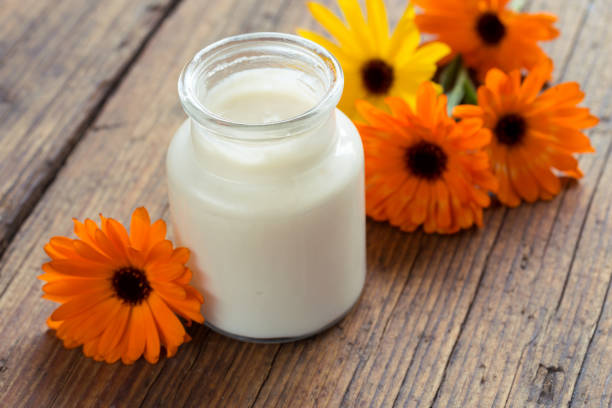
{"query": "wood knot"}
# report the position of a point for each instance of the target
(546, 381)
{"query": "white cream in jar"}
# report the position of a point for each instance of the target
(265, 183)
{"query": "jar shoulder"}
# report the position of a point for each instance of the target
(340, 168)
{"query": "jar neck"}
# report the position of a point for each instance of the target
(261, 104)
(252, 160)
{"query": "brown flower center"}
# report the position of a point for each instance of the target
(377, 76)
(131, 285)
(426, 160)
(490, 28)
(510, 129)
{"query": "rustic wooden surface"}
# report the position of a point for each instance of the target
(516, 314)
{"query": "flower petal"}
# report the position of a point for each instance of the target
(139, 228)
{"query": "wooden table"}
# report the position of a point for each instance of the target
(517, 314)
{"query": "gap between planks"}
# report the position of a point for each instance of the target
(109, 86)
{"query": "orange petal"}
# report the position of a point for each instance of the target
(185, 278)
(443, 205)
(60, 248)
(107, 247)
(157, 233)
(136, 332)
(152, 346)
(164, 272)
(80, 304)
(114, 331)
(193, 293)
(90, 348)
(139, 228)
(170, 328)
(168, 290)
(118, 235)
(76, 287)
(505, 193)
(85, 231)
(522, 181)
(53, 324)
(80, 268)
(419, 206)
(426, 100)
(188, 308)
(162, 251)
(468, 111)
(398, 106)
(88, 252)
(180, 255)
(535, 80)
(99, 319)
(398, 204)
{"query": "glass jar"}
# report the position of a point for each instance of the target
(266, 191)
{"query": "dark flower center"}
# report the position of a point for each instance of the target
(377, 76)
(510, 129)
(426, 160)
(131, 285)
(490, 28)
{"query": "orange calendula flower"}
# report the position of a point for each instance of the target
(533, 132)
(120, 293)
(486, 33)
(423, 168)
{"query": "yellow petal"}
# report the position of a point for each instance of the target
(406, 35)
(335, 27)
(428, 54)
(353, 90)
(354, 16)
(345, 59)
(377, 21)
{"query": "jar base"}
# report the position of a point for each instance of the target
(278, 340)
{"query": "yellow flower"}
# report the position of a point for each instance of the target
(375, 64)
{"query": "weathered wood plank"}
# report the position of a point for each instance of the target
(404, 357)
(393, 348)
(535, 312)
(115, 168)
(594, 384)
(425, 280)
(59, 61)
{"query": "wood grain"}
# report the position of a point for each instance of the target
(539, 302)
(110, 170)
(59, 62)
(482, 318)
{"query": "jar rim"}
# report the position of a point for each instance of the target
(197, 110)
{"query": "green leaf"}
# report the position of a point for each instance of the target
(463, 91)
(455, 96)
(448, 76)
(471, 96)
(457, 85)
